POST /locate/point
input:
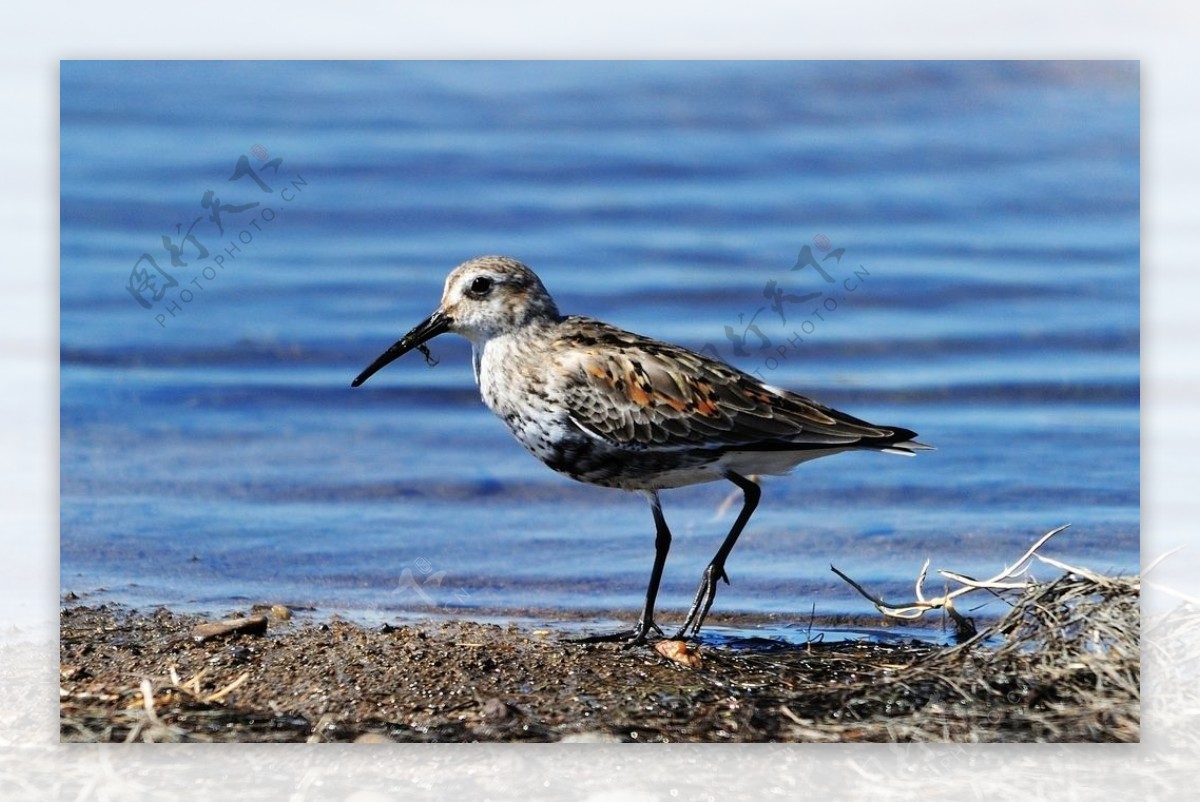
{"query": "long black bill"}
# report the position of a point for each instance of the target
(431, 327)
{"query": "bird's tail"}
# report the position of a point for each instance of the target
(908, 448)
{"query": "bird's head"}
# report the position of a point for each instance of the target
(483, 298)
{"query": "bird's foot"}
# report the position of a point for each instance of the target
(702, 603)
(633, 637)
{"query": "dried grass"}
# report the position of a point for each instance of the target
(1067, 667)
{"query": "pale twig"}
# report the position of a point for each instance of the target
(191, 686)
(1084, 573)
(1174, 593)
(787, 712)
(148, 702)
(217, 695)
(1161, 558)
(1002, 581)
(157, 728)
(921, 581)
(971, 582)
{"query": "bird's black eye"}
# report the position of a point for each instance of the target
(481, 286)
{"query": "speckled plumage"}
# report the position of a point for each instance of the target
(613, 408)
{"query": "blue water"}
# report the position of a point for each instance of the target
(214, 455)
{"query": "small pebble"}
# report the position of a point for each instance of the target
(250, 625)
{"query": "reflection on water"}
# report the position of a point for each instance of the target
(950, 247)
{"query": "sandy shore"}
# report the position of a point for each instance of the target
(162, 676)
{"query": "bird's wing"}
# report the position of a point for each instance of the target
(635, 392)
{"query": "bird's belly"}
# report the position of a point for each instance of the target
(563, 448)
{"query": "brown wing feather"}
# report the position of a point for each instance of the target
(635, 391)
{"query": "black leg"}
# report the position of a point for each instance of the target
(715, 570)
(662, 543)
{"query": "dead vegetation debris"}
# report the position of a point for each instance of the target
(1061, 666)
